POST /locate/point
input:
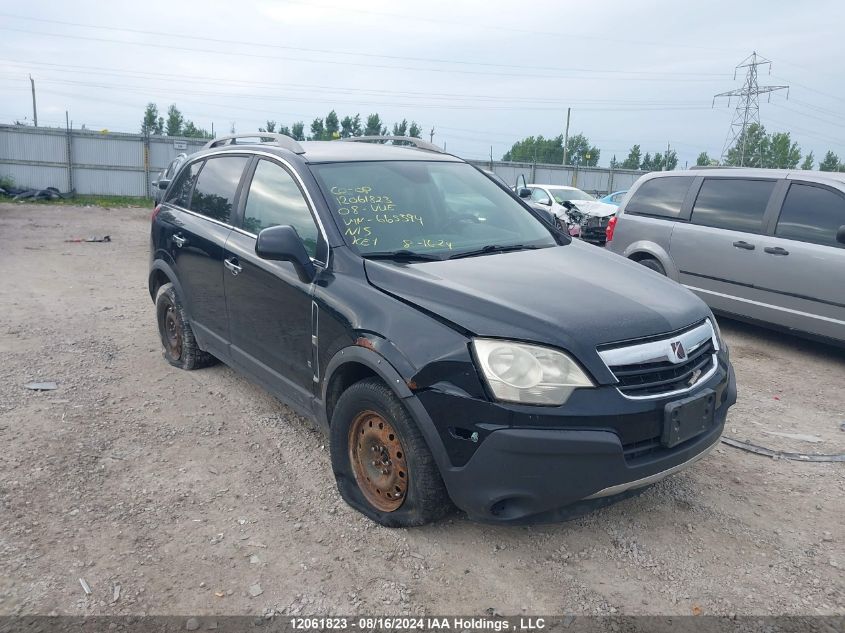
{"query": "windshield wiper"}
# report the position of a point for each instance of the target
(403, 256)
(494, 248)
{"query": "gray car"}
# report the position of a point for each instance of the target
(758, 244)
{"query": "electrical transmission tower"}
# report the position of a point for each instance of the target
(748, 108)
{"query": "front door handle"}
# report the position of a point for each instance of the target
(179, 241)
(775, 250)
(745, 245)
(232, 265)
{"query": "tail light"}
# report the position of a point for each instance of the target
(155, 213)
(611, 226)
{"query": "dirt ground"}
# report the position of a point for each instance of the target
(197, 492)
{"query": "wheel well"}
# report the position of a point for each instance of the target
(157, 280)
(640, 256)
(345, 376)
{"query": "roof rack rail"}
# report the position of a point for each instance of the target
(413, 140)
(719, 167)
(281, 140)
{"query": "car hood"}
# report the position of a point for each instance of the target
(595, 208)
(574, 297)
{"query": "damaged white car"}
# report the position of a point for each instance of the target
(576, 211)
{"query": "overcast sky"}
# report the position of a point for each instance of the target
(480, 73)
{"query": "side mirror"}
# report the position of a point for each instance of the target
(163, 184)
(282, 243)
(524, 193)
(840, 234)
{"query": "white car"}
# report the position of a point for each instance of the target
(571, 207)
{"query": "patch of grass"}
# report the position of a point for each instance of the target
(97, 201)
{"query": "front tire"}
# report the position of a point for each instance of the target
(381, 462)
(180, 345)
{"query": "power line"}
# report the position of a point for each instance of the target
(183, 36)
(230, 53)
(747, 111)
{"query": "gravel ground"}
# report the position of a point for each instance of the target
(197, 492)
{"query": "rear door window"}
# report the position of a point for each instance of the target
(660, 197)
(732, 203)
(180, 193)
(811, 214)
(214, 194)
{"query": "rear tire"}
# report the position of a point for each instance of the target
(180, 345)
(381, 462)
(653, 264)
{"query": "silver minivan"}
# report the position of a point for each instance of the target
(758, 244)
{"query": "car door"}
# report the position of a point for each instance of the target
(270, 308)
(197, 241)
(717, 252)
(801, 281)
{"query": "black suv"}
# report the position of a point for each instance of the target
(457, 347)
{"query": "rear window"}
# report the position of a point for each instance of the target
(811, 214)
(214, 194)
(732, 203)
(660, 197)
(180, 192)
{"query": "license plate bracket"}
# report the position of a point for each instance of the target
(684, 419)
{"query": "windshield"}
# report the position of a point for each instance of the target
(562, 195)
(432, 209)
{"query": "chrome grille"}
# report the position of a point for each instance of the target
(664, 366)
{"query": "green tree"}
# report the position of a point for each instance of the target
(415, 130)
(152, 122)
(318, 130)
(351, 126)
(332, 126)
(671, 160)
(830, 162)
(781, 152)
(703, 159)
(401, 129)
(634, 158)
(374, 126)
(809, 160)
(536, 149)
(175, 121)
(580, 152)
(192, 131)
(297, 131)
(645, 165)
(270, 126)
(614, 164)
(750, 149)
(284, 129)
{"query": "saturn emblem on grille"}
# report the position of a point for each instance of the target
(679, 351)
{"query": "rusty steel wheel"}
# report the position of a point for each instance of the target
(172, 332)
(378, 461)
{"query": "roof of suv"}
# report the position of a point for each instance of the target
(751, 172)
(341, 152)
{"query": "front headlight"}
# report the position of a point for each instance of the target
(518, 372)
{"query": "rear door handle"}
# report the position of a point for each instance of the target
(179, 241)
(745, 245)
(232, 265)
(775, 250)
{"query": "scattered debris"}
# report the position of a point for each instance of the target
(115, 596)
(254, 560)
(219, 594)
(105, 238)
(49, 193)
(47, 385)
(842, 427)
(255, 590)
(801, 457)
(192, 624)
(85, 587)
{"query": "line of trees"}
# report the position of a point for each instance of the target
(332, 127)
(756, 148)
(174, 125)
(538, 149)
